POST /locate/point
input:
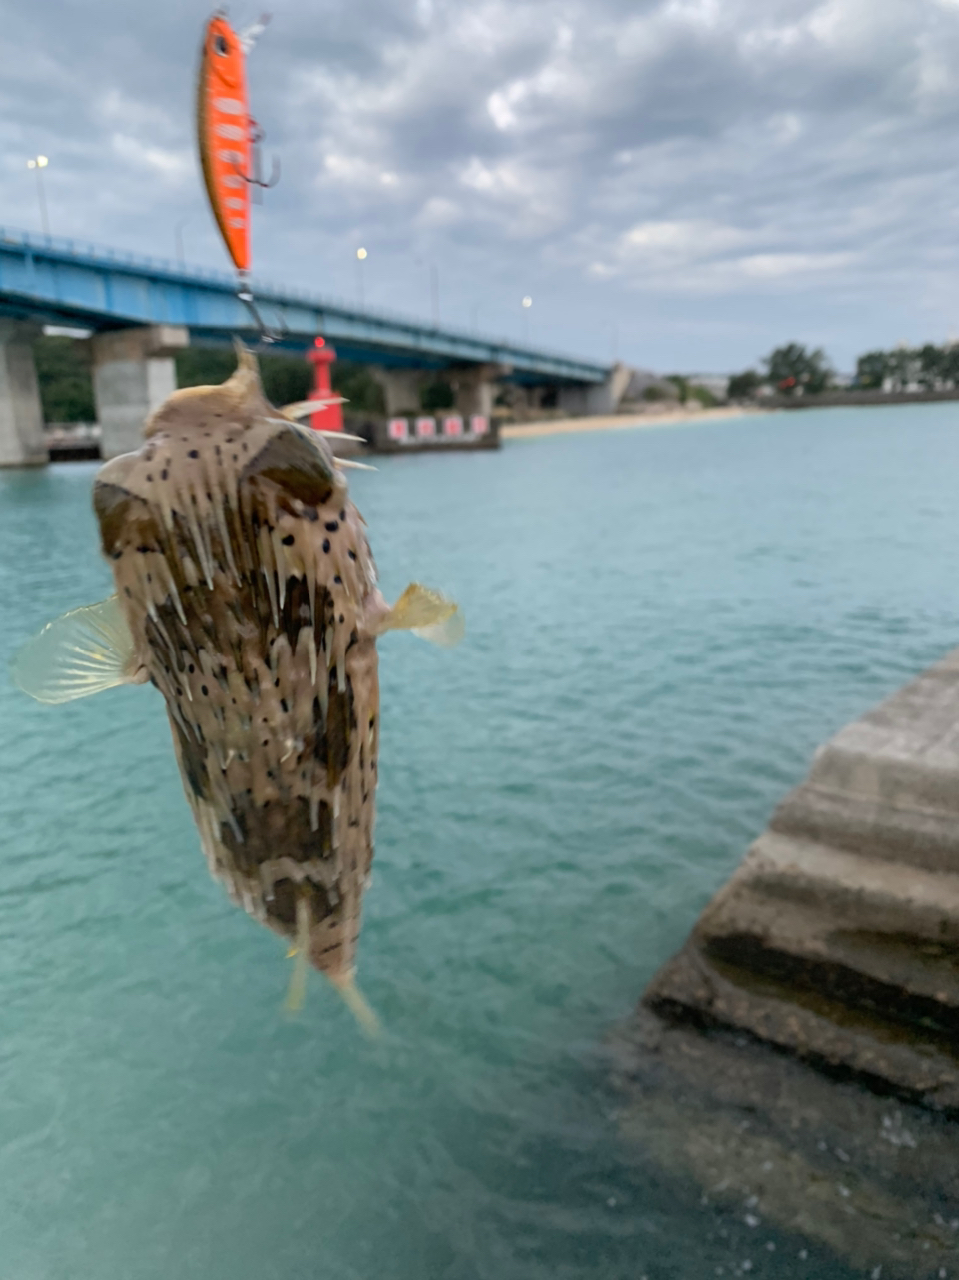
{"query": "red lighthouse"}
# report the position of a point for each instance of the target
(321, 357)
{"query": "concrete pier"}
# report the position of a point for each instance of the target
(597, 398)
(474, 388)
(133, 373)
(401, 388)
(21, 416)
(804, 1042)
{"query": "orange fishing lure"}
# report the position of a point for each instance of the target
(226, 135)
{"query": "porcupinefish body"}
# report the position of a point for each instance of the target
(246, 593)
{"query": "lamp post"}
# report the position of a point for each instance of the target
(178, 236)
(360, 259)
(39, 163)
(527, 303)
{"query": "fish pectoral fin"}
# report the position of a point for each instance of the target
(80, 653)
(428, 614)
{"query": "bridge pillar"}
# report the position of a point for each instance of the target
(474, 387)
(401, 388)
(598, 397)
(21, 416)
(133, 373)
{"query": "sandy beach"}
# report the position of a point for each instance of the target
(619, 422)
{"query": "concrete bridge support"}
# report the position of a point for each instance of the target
(401, 388)
(596, 398)
(21, 417)
(474, 387)
(133, 373)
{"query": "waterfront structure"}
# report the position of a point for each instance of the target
(139, 311)
(804, 1042)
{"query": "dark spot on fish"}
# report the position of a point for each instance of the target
(326, 545)
(149, 577)
(179, 692)
(128, 593)
(216, 450)
(331, 526)
(284, 704)
(204, 690)
(289, 540)
(286, 892)
(269, 774)
(351, 554)
(164, 474)
(117, 555)
(194, 453)
(342, 515)
(115, 507)
(143, 550)
(331, 745)
(293, 464)
(149, 475)
(193, 759)
(338, 580)
(276, 684)
(235, 458)
(341, 618)
(311, 514)
(266, 742)
(192, 668)
(245, 447)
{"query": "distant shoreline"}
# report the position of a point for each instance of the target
(622, 422)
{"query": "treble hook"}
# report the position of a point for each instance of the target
(245, 295)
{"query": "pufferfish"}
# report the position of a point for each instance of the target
(246, 593)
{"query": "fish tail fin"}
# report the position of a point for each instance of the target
(300, 954)
(355, 1001)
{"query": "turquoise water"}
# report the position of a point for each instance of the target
(662, 625)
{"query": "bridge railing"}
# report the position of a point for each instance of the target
(265, 290)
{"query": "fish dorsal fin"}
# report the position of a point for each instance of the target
(240, 399)
(80, 653)
(428, 614)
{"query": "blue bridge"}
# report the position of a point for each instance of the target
(57, 281)
(139, 310)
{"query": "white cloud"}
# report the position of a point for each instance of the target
(790, 155)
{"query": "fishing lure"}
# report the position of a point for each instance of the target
(228, 139)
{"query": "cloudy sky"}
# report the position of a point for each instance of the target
(683, 183)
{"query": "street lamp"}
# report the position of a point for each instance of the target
(39, 163)
(527, 303)
(360, 258)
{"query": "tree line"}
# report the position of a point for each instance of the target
(796, 370)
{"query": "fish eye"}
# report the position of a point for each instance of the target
(221, 46)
